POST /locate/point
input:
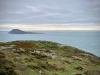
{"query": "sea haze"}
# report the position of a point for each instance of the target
(86, 40)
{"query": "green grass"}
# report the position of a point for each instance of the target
(26, 63)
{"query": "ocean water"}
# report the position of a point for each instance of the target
(86, 40)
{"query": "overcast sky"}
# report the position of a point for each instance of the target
(50, 14)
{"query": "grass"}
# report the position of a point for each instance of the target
(26, 63)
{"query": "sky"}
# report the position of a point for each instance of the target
(50, 14)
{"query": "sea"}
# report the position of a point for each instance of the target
(88, 41)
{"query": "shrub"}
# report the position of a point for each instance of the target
(2, 72)
(23, 44)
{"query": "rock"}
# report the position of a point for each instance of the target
(12, 45)
(13, 49)
(2, 48)
(54, 56)
(69, 61)
(21, 49)
(6, 47)
(40, 72)
(16, 54)
(37, 51)
(31, 52)
(62, 59)
(77, 58)
(89, 55)
(61, 45)
(52, 51)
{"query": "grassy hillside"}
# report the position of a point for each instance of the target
(46, 58)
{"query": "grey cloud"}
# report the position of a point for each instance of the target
(49, 11)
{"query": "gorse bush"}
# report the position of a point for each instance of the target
(24, 44)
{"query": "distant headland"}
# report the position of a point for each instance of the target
(18, 31)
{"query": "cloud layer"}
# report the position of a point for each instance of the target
(33, 12)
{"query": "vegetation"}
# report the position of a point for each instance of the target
(46, 58)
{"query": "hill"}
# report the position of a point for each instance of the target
(18, 31)
(46, 58)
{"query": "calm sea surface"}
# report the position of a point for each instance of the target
(86, 40)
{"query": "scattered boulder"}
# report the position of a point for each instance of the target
(69, 61)
(62, 59)
(11, 46)
(53, 56)
(16, 54)
(31, 52)
(6, 47)
(77, 58)
(21, 49)
(2, 48)
(40, 72)
(13, 49)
